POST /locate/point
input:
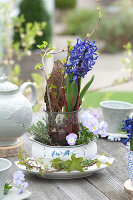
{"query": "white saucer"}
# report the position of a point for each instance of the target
(65, 175)
(13, 195)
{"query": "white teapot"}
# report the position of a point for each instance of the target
(15, 110)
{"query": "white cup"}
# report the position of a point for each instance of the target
(5, 166)
(114, 113)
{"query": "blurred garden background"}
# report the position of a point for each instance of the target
(24, 24)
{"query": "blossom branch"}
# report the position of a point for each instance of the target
(53, 52)
(32, 166)
(98, 22)
(60, 51)
(68, 50)
(60, 167)
(48, 93)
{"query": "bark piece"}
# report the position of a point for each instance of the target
(57, 80)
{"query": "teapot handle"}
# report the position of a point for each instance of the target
(33, 89)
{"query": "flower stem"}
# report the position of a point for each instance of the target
(77, 104)
(65, 104)
(54, 99)
(72, 104)
(64, 99)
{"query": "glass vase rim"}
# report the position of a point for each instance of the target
(62, 112)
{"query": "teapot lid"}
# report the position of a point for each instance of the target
(6, 86)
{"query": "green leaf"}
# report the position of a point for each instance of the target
(23, 151)
(107, 163)
(40, 46)
(87, 35)
(45, 44)
(63, 60)
(38, 65)
(74, 164)
(71, 47)
(127, 46)
(71, 95)
(46, 167)
(98, 164)
(86, 87)
(7, 188)
(57, 163)
(69, 42)
(103, 154)
(48, 76)
(41, 172)
(48, 55)
(51, 47)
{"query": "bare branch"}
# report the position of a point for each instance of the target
(98, 22)
(48, 93)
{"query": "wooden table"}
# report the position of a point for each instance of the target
(106, 184)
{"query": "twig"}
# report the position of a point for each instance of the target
(32, 166)
(89, 165)
(48, 93)
(54, 52)
(54, 99)
(98, 22)
(40, 168)
(60, 51)
(68, 49)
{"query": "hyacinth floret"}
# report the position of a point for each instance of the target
(82, 58)
(128, 127)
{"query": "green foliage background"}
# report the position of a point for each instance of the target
(65, 4)
(114, 29)
(85, 19)
(92, 99)
(35, 11)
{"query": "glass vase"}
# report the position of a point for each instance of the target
(60, 125)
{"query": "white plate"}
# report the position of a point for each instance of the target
(13, 195)
(65, 175)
